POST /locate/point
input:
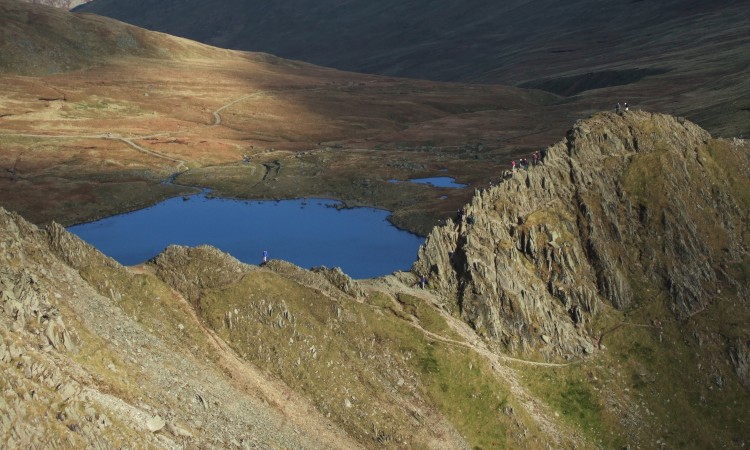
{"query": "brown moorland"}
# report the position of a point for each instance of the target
(97, 131)
(95, 115)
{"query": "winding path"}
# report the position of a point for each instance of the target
(217, 113)
(181, 163)
(559, 434)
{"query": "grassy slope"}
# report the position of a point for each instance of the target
(359, 363)
(41, 40)
(640, 359)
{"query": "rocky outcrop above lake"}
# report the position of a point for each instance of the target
(625, 208)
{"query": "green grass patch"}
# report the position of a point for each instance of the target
(358, 364)
(427, 315)
(570, 392)
(577, 402)
(462, 386)
(380, 299)
(680, 373)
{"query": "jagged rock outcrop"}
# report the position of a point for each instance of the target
(739, 354)
(624, 203)
(340, 280)
(190, 270)
(74, 251)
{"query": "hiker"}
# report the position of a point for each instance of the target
(422, 281)
(535, 158)
(470, 220)
(618, 108)
(627, 107)
(265, 256)
(513, 165)
(542, 155)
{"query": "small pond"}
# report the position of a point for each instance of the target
(308, 233)
(444, 182)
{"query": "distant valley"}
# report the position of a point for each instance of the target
(684, 57)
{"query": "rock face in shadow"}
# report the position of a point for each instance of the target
(624, 204)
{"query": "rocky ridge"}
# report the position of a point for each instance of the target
(83, 367)
(623, 204)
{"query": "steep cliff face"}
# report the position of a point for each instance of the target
(624, 208)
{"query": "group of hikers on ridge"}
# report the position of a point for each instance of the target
(536, 159)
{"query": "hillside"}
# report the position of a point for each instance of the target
(605, 292)
(450, 41)
(39, 40)
(65, 4)
(686, 57)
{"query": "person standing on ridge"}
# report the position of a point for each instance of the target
(265, 256)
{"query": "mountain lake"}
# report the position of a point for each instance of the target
(306, 232)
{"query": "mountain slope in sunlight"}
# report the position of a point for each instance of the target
(65, 4)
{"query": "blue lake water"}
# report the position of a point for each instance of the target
(307, 233)
(445, 182)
